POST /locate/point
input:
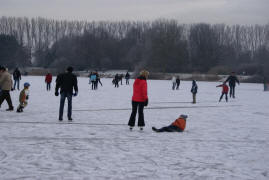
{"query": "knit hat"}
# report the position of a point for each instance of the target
(183, 116)
(26, 84)
(2, 68)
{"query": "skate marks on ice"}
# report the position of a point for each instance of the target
(62, 123)
(158, 107)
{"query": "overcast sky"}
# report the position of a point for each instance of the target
(185, 11)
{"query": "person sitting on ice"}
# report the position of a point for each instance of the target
(177, 126)
(225, 90)
(24, 96)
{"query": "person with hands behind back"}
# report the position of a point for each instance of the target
(139, 100)
(66, 82)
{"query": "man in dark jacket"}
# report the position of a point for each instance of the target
(232, 79)
(17, 78)
(66, 81)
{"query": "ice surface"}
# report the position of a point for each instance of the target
(221, 141)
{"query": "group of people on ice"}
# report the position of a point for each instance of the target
(67, 84)
(118, 79)
(94, 79)
(6, 85)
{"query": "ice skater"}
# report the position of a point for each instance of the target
(48, 80)
(177, 126)
(24, 96)
(17, 78)
(178, 82)
(139, 100)
(6, 86)
(174, 82)
(225, 90)
(66, 82)
(127, 77)
(194, 90)
(232, 79)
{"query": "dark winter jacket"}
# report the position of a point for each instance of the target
(194, 87)
(178, 81)
(140, 92)
(66, 81)
(127, 75)
(232, 80)
(17, 75)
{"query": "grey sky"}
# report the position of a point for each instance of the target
(185, 11)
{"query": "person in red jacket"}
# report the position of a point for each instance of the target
(139, 99)
(48, 80)
(225, 90)
(177, 126)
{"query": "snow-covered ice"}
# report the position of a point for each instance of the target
(221, 141)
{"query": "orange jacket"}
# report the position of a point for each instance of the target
(180, 123)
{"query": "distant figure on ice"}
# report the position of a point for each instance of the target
(24, 96)
(116, 80)
(66, 82)
(194, 90)
(232, 79)
(98, 80)
(6, 86)
(17, 78)
(139, 100)
(225, 90)
(127, 77)
(120, 78)
(178, 82)
(48, 80)
(93, 78)
(174, 82)
(177, 126)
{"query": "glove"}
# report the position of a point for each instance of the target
(27, 97)
(75, 94)
(56, 93)
(146, 102)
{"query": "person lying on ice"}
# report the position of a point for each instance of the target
(177, 126)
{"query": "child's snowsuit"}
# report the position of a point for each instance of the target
(177, 126)
(24, 95)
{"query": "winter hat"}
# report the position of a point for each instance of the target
(144, 73)
(183, 116)
(2, 68)
(26, 84)
(70, 69)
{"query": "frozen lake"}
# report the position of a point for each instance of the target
(221, 141)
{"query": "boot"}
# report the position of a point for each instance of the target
(10, 109)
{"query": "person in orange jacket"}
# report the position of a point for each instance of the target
(225, 90)
(177, 126)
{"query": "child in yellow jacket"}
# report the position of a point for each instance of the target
(24, 96)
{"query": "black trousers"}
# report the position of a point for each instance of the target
(48, 86)
(4, 95)
(140, 106)
(226, 97)
(170, 128)
(232, 88)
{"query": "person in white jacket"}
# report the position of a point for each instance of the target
(174, 82)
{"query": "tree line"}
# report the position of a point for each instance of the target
(160, 46)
